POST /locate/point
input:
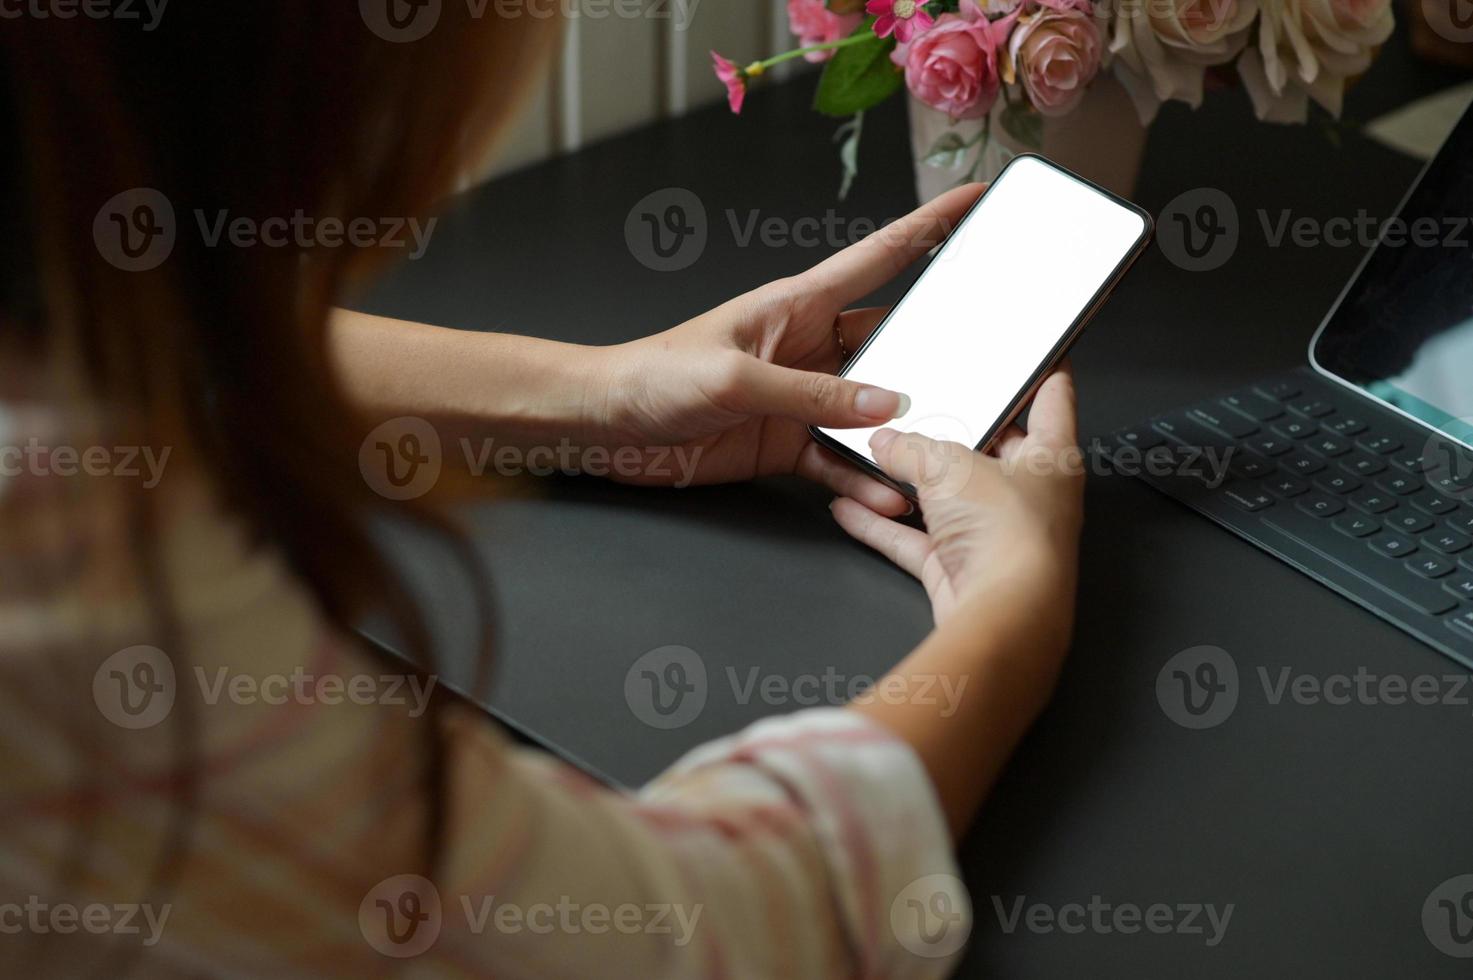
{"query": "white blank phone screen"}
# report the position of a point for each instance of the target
(1005, 288)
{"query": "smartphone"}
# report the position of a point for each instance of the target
(998, 306)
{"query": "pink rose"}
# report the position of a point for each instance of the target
(815, 23)
(1056, 54)
(953, 66)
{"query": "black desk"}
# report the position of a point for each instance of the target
(1326, 827)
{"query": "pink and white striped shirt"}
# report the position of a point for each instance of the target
(807, 846)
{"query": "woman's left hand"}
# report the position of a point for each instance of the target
(736, 388)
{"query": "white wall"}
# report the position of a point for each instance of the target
(618, 72)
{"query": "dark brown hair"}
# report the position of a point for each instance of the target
(264, 108)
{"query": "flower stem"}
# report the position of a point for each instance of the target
(758, 67)
(984, 138)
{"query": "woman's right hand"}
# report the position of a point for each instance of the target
(999, 558)
(1006, 523)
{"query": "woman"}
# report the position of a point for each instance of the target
(161, 755)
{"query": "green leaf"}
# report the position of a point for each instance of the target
(1023, 124)
(858, 77)
(949, 150)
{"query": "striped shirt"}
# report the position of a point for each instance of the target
(807, 846)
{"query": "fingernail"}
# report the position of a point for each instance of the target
(877, 403)
(882, 439)
(910, 508)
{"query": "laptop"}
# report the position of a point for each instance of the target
(1357, 467)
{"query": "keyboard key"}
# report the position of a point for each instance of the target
(1393, 545)
(1434, 503)
(1460, 585)
(1295, 428)
(1372, 502)
(1270, 445)
(1140, 437)
(1385, 445)
(1445, 483)
(1362, 465)
(1462, 624)
(1249, 466)
(1346, 426)
(1400, 484)
(1254, 405)
(1337, 482)
(1409, 461)
(1249, 501)
(1315, 408)
(1318, 505)
(1390, 578)
(1194, 453)
(1430, 566)
(1461, 521)
(1286, 487)
(1409, 522)
(1443, 461)
(1302, 464)
(1223, 420)
(1172, 462)
(1280, 391)
(1447, 542)
(1178, 427)
(1168, 425)
(1328, 446)
(1357, 526)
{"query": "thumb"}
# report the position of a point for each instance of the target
(816, 398)
(937, 470)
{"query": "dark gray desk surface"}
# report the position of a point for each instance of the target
(1326, 827)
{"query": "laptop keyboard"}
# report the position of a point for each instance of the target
(1361, 499)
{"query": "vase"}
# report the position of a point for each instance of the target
(1102, 140)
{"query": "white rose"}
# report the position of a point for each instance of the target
(1307, 49)
(1161, 49)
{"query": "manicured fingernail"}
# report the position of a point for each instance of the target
(877, 403)
(882, 439)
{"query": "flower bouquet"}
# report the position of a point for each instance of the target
(1024, 62)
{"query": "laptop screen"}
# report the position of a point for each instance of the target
(1403, 330)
